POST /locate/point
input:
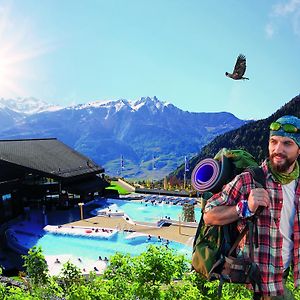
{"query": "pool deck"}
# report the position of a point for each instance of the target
(182, 234)
(56, 262)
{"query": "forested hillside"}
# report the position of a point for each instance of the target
(252, 137)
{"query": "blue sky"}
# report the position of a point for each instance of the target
(70, 51)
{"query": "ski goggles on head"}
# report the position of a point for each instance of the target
(289, 128)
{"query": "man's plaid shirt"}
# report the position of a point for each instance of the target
(268, 255)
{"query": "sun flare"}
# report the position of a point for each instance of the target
(18, 49)
(9, 73)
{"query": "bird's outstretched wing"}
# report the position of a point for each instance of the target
(239, 69)
(240, 66)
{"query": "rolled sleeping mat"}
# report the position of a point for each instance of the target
(210, 175)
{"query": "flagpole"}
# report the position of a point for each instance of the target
(186, 168)
(122, 165)
(153, 168)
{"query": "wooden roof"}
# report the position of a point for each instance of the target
(48, 156)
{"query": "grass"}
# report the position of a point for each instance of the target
(115, 186)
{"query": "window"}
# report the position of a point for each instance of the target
(7, 205)
(6, 197)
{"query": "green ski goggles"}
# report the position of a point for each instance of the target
(289, 128)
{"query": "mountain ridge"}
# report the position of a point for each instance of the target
(252, 137)
(153, 136)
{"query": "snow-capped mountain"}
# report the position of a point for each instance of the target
(153, 136)
(133, 105)
(27, 106)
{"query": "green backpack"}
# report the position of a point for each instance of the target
(214, 249)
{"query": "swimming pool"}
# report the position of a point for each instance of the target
(146, 211)
(89, 247)
(92, 248)
(31, 233)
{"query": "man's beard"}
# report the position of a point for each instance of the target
(284, 167)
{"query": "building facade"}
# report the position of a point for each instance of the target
(36, 172)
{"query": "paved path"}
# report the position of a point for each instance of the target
(126, 185)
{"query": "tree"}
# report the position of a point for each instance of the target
(36, 266)
(157, 274)
(188, 212)
(70, 274)
(120, 276)
(156, 268)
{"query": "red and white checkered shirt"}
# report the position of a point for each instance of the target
(268, 255)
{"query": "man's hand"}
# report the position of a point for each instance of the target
(258, 197)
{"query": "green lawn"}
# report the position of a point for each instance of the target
(115, 186)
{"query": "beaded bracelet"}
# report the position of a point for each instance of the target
(243, 210)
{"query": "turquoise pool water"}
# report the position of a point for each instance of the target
(55, 244)
(92, 248)
(148, 212)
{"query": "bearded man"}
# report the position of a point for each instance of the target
(278, 224)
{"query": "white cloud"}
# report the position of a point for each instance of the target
(269, 29)
(284, 9)
(288, 11)
(296, 23)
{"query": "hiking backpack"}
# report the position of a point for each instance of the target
(215, 246)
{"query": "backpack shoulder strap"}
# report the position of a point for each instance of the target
(258, 176)
(260, 181)
(200, 225)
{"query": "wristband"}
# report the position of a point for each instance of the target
(243, 210)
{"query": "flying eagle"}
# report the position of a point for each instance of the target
(239, 68)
